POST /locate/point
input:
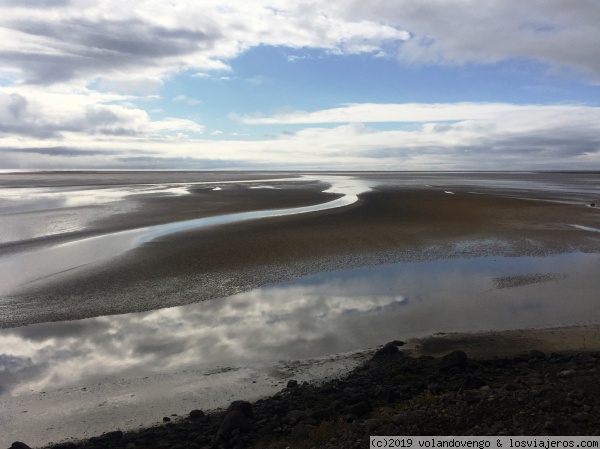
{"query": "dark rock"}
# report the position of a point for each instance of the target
(398, 343)
(235, 420)
(108, 438)
(196, 414)
(592, 204)
(19, 445)
(434, 388)
(473, 383)
(323, 413)
(536, 355)
(243, 407)
(278, 445)
(358, 397)
(166, 419)
(359, 409)
(471, 397)
(292, 384)
(388, 350)
(300, 431)
(456, 359)
(296, 414)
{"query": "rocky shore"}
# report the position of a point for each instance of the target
(396, 392)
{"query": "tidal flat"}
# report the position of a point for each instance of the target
(124, 300)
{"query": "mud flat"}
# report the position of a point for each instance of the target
(517, 249)
(388, 224)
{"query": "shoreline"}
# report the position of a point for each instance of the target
(392, 223)
(505, 369)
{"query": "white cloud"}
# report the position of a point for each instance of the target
(187, 100)
(111, 42)
(407, 112)
(458, 32)
(508, 137)
(54, 60)
(58, 114)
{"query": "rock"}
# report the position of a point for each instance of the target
(234, 420)
(108, 438)
(536, 355)
(295, 414)
(592, 204)
(292, 384)
(456, 359)
(166, 419)
(300, 432)
(278, 445)
(19, 445)
(64, 446)
(473, 383)
(359, 409)
(241, 406)
(322, 413)
(398, 343)
(357, 397)
(196, 414)
(388, 350)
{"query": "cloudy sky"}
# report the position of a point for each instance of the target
(278, 84)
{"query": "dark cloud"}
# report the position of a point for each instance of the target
(36, 3)
(141, 162)
(100, 47)
(59, 151)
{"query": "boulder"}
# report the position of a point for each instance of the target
(243, 407)
(389, 349)
(456, 359)
(196, 414)
(19, 445)
(234, 419)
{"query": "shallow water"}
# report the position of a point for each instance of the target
(318, 315)
(122, 371)
(227, 343)
(21, 269)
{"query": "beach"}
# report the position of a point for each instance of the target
(309, 287)
(388, 224)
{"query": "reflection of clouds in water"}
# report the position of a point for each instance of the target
(314, 316)
(248, 327)
(15, 200)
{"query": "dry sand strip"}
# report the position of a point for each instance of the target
(386, 225)
(509, 343)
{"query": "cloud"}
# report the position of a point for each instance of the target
(59, 114)
(113, 43)
(470, 31)
(470, 136)
(406, 112)
(187, 100)
(73, 73)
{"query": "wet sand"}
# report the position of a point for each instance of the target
(388, 224)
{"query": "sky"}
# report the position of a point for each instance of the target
(309, 85)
